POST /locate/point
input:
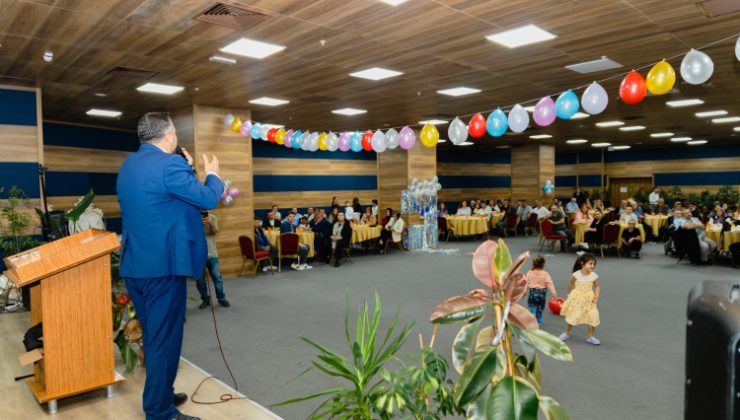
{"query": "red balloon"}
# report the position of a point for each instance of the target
(271, 134)
(633, 88)
(556, 304)
(366, 143)
(477, 126)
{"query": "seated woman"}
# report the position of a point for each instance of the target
(582, 215)
(397, 229)
(368, 218)
(595, 231)
(630, 241)
(385, 233)
(442, 211)
(463, 210)
(477, 210)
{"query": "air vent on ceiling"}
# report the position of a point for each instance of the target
(714, 8)
(445, 69)
(604, 63)
(230, 16)
(131, 73)
(318, 99)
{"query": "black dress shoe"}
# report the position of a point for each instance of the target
(225, 303)
(180, 399)
(181, 416)
(204, 304)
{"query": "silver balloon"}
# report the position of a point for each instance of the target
(696, 67)
(263, 133)
(228, 120)
(227, 184)
(391, 139)
(378, 141)
(737, 49)
(228, 201)
(518, 119)
(313, 142)
(457, 131)
(594, 99)
(332, 142)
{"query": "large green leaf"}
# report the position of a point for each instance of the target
(521, 317)
(459, 308)
(476, 375)
(549, 344)
(513, 398)
(478, 409)
(524, 343)
(552, 410)
(462, 344)
(75, 213)
(502, 261)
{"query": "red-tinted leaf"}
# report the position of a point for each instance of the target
(521, 317)
(482, 293)
(483, 264)
(518, 263)
(515, 287)
(459, 308)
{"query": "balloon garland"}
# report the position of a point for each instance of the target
(696, 68)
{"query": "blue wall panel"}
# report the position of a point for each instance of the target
(698, 178)
(78, 183)
(472, 157)
(24, 175)
(263, 149)
(89, 137)
(17, 107)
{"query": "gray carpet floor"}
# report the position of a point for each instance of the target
(636, 373)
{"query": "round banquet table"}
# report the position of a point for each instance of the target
(729, 238)
(362, 233)
(467, 225)
(656, 222)
(714, 232)
(579, 231)
(305, 238)
(495, 218)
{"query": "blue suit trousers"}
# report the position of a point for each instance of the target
(160, 306)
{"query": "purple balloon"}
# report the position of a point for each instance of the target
(544, 112)
(244, 129)
(344, 141)
(406, 138)
(224, 194)
(233, 192)
(287, 139)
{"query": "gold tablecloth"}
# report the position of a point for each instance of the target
(362, 233)
(656, 222)
(729, 238)
(305, 238)
(579, 231)
(495, 218)
(714, 232)
(638, 226)
(467, 225)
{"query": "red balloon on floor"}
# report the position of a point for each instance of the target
(366, 141)
(556, 304)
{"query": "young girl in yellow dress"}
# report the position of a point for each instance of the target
(583, 294)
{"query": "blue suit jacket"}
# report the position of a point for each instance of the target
(160, 200)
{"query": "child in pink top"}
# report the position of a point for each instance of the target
(538, 281)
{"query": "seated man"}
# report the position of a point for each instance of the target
(523, 212)
(263, 244)
(540, 210)
(341, 233)
(298, 216)
(628, 215)
(558, 226)
(661, 208)
(271, 221)
(630, 241)
(322, 231)
(688, 222)
(276, 213)
(572, 205)
(288, 226)
(310, 214)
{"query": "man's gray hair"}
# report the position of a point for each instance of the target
(153, 126)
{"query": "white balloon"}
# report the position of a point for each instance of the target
(228, 120)
(306, 143)
(313, 142)
(332, 142)
(228, 200)
(263, 133)
(227, 184)
(696, 67)
(391, 139)
(457, 131)
(378, 141)
(518, 119)
(435, 179)
(737, 49)
(594, 99)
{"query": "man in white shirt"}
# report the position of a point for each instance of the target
(309, 215)
(349, 211)
(572, 205)
(628, 216)
(654, 197)
(276, 213)
(540, 211)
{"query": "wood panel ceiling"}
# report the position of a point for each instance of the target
(422, 38)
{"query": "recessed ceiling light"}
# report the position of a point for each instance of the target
(94, 112)
(222, 60)
(458, 91)
(725, 120)
(349, 111)
(376, 73)
(696, 142)
(736, 129)
(632, 128)
(393, 2)
(603, 63)
(579, 116)
(684, 102)
(433, 122)
(577, 141)
(681, 139)
(250, 48)
(159, 88)
(503, 147)
(706, 114)
(540, 136)
(659, 135)
(441, 141)
(268, 101)
(621, 147)
(601, 144)
(269, 126)
(609, 124)
(466, 143)
(100, 94)
(523, 35)
(48, 56)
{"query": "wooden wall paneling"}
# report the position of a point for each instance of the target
(422, 162)
(288, 199)
(107, 203)
(18, 143)
(479, 169)
(183, 120)
(450, 195)
(531, 166)
(279, 166)
(393, 177)
(80, 159)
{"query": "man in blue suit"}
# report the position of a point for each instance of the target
(162, 244)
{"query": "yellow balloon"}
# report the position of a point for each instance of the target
(280, 136)
(661, 78)
(429, 135)
(236, 124)
(322, 141)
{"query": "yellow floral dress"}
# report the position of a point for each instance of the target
(580, 308)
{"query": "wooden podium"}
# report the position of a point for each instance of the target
(70, 290)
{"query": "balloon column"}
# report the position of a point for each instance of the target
(549, 187)
(421, 197)
(229, 194)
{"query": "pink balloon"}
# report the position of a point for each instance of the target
(344, 141)
(224, 194)
(287, 142)
(406, 138)
(233, 192)
(544, 112)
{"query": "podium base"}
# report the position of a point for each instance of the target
(42, 397)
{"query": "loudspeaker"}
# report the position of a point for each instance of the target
(713, 352)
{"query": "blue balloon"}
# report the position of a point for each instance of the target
(255, 131)
(355, 143)
(497, 123)
(567, 105)
(297, 139)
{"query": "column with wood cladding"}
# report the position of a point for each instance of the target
(202, 130)
(396, 168)
(531, 166)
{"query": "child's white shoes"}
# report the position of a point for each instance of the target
(593, 340)
(564, 337)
